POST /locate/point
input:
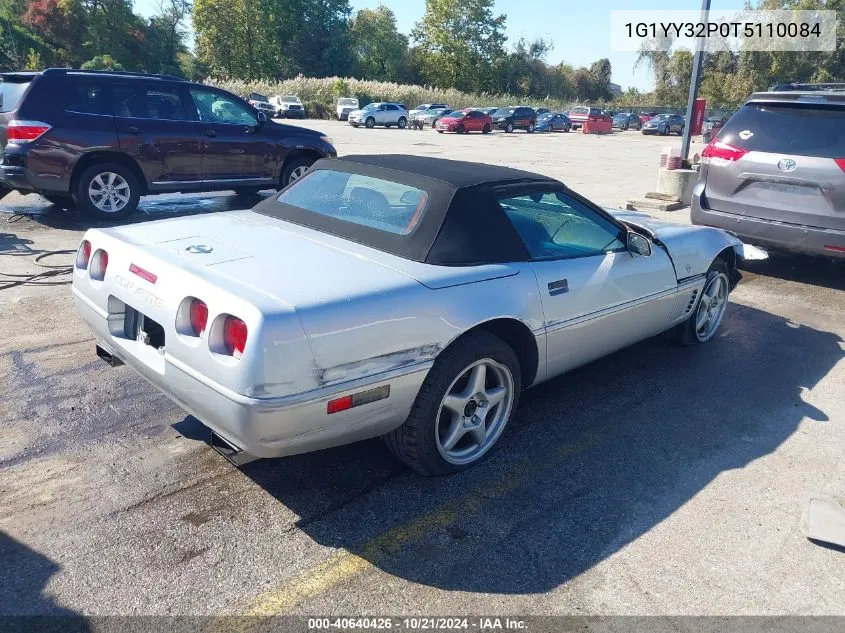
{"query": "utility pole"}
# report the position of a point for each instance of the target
(693, 84)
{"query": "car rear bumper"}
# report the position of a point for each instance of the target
(773, 234)
(264, 427)
(15, 178)
(293, 114)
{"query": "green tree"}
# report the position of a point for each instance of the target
(102, 62)
(165, 36)
(235, 38)
(461, 41)
(600, 72)
(114, 30)
(379, 49)
(33, 60)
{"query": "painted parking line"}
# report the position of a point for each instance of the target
(346, 565)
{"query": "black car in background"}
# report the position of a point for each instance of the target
(100, 140)
(519, 117)
(626, 121)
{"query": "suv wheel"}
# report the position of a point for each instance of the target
(295, 170)
(107, 191)
(530, 128)
(370, 122)
(509, 127)
(402, 122)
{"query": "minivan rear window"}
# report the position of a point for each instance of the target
(11, 91)
(801, 129)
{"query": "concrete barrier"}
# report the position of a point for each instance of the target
(677, 182)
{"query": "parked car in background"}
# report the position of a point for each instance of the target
(626, 121)
(288, 107)
(426, 107)
(775, 174)
(345, 105)
(429, 116)
(664, 124)
(711, 127)
(553, 122)
(466, 120)
(261, 103)
(100, 140)
(487, 109)
(386, 114)
(646, 116)
(581, 114)
(540, 111)
(516, 118)
(406, 297)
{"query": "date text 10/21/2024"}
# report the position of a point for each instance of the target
(418, 623)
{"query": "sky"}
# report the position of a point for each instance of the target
(578, 29)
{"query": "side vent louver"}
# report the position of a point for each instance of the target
(691, 303)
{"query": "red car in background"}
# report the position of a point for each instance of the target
(466, 120)
(579, 115)
(647, 116)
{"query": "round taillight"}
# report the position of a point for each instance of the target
(83, 255)
(234, 335)
(199, 316)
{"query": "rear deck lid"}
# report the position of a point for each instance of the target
(781, 160)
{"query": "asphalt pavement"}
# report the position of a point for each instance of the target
(659, 480)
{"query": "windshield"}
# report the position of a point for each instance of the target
(503, 112)
(545, 115)
(456, 114)
(11, 91)
(370, 106)
(662, 117)
(380, 204)
(254, 96)
(348, 102)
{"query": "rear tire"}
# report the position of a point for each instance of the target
(107, 191)
(704, 320)
(530, 129)
(422, 441)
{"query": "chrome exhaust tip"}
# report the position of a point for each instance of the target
(233, 454)
(108, 357)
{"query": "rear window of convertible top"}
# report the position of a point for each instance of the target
(380, 204)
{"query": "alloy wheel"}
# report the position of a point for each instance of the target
(474, 411)
(711, 307)
(109, 192)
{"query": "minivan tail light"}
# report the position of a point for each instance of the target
(723, 151)
(25, 131)
(83, 255)
(841, 163)
(199, 316)
(234, 335)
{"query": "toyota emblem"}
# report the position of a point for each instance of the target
(199, 249)
(787, 164)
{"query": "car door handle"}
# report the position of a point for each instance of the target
(210, 133)
(558, 287)
(133, 130)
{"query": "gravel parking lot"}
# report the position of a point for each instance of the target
(659, 480)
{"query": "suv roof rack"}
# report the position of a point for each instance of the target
(121, 73)
(807, 87)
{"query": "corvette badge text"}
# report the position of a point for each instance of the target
(144, 295)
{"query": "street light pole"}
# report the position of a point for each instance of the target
(693, 84)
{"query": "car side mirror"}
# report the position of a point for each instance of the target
(262, 118)
(638, 245)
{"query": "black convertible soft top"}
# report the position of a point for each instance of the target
(463, 224)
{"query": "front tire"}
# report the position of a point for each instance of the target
(462, 407)
(461, 129)
(509, 127)
(530, 129)
(295, 170)
(402, 122)
(486, 129)
(370, 123)
(107, 191)
(703, 322)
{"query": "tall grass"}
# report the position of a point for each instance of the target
(319, 95)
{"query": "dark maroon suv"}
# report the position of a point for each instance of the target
(100, 140)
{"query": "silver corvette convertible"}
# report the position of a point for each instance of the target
(397, 296)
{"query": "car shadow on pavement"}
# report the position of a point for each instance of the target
(593, 460)
(816, 271)
(151, 208)
(24, 605)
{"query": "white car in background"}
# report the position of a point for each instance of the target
(288, 107)
(345, 105)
